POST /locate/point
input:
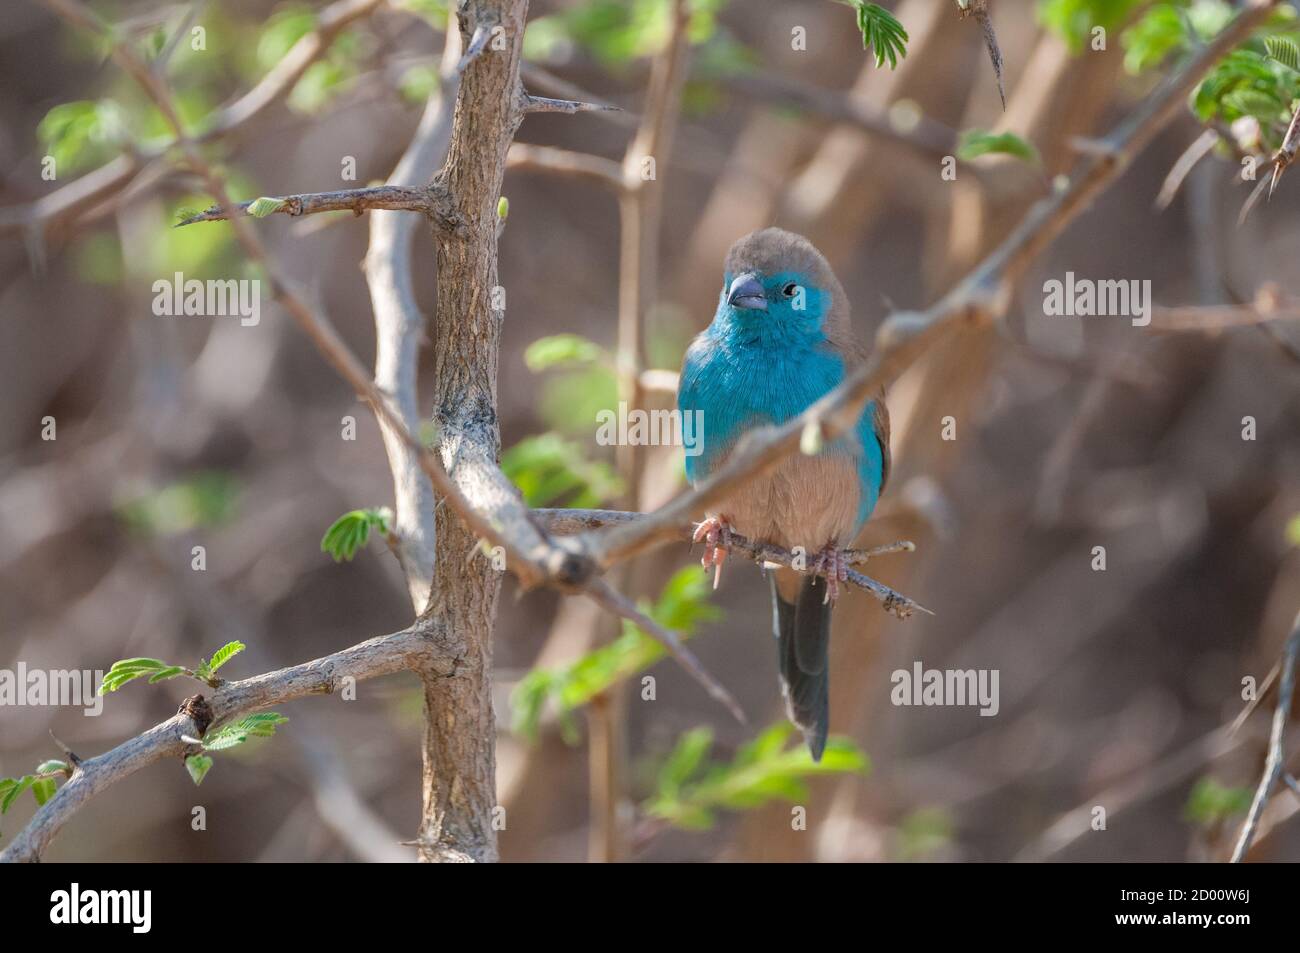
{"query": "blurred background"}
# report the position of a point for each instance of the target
(1070, 434)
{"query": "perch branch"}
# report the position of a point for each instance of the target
(566, 522)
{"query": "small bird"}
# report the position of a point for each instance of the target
(779, 341)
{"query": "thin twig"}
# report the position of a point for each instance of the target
(1274, 761)
(390, 197)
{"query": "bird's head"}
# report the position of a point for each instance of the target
(778, 287)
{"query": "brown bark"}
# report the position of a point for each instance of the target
(460, 729)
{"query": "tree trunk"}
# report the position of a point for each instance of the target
(460, 731)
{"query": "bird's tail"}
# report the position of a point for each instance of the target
(803, 635)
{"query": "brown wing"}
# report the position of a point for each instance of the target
(882, 436)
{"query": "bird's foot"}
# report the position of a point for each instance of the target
(715, 534)
(832, 564)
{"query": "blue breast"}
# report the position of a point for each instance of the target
(743, 384)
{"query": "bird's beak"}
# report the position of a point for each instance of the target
(747, 292)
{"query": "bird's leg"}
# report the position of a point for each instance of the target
(834, 566)
(715, 533)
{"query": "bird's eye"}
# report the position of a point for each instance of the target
(790, 289)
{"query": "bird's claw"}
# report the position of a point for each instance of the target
(715, 533)
(832, 565)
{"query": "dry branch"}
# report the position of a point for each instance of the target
(420, 644)
(1273, 764)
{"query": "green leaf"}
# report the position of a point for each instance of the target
(205, 499)
(976, 142)
(262, 207)
(43, 789)
(47, 767)
(548, 469)
(682, 605)
(170, 672)
(84, 134)
(224, 654)
(1211, 803)
(280, 33)
(419, 82)
(13, 789)
(1284, 50)
(762, 771)
(198, 765)
(882, 33)
(685, 759)
(1074, 20)
(561, 350)
(127, 670)
(1159, 33)
(261, 725)
(352, 530)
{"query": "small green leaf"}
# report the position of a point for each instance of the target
(882, 33)
(48, 767)
(685, 759)
(14, 789)
(224, 654)
(1211, 803)
(262, 207)
(43, 789)
(976, 142)
(351, 531)
(170, 672)
(1284, 50)
(261, 725)
(503, 208)
(198, 765)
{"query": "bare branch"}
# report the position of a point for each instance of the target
(920, 134)
(597, 169)
(391, 197)
(1198, 150)
(1274, 761)
(544, 104)
(543, 79)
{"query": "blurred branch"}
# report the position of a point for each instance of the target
(1273, 763)
(399, 329)
(921, 134)
(384, 655)
(581, 165)
(68, 202)
(980, 298)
